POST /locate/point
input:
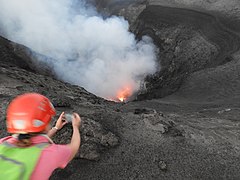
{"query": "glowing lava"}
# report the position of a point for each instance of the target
(124, 93)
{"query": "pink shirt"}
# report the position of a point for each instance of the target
(53, 157)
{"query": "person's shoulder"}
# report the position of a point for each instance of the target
(61, 146)
(5, 139)
(58, 151)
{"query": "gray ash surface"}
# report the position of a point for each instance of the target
(186, 125)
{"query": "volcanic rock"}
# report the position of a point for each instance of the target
(162, 165)
(192, 132)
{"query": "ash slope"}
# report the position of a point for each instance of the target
(186, 135)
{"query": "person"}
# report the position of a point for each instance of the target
(29, 153)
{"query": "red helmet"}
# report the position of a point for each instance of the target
(29, 113)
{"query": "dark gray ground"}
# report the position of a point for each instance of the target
(192, 132)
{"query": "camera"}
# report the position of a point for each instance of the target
(68, 117)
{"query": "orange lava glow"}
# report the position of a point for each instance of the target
(124, 93)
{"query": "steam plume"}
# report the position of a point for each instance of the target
(99, 54)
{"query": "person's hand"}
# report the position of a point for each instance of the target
(61, 121)
(76, 122)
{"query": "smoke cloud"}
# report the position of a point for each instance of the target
(99, 54)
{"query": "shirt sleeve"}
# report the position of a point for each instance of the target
(63, 155)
